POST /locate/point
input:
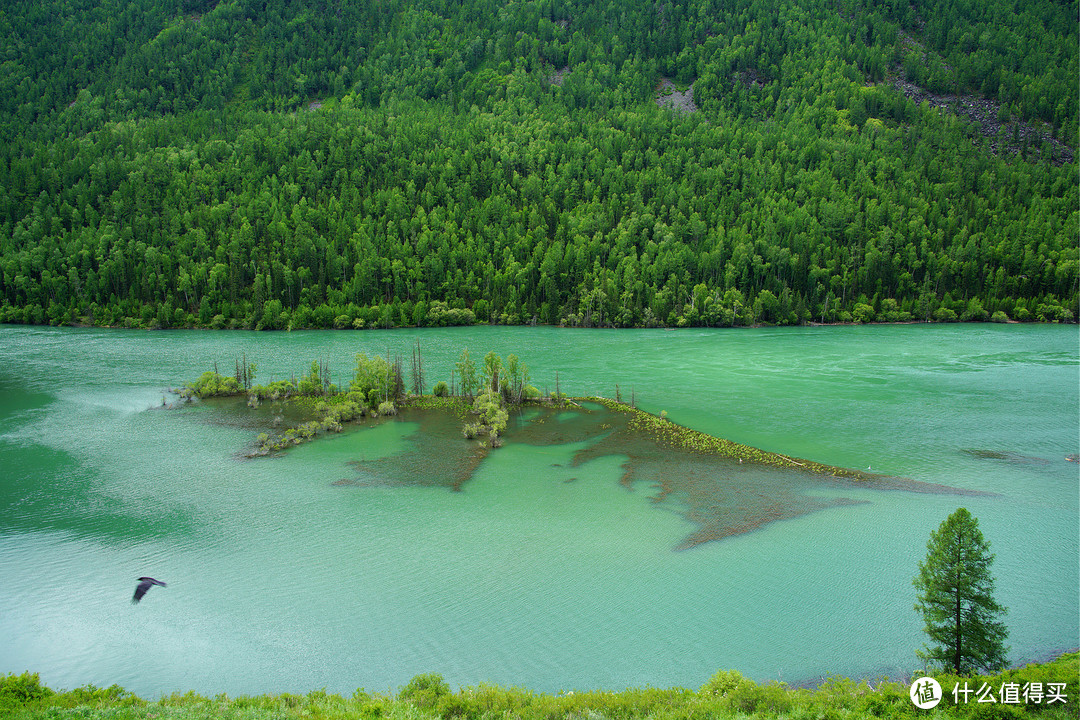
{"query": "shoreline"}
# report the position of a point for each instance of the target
(905, 678)
(248, 328)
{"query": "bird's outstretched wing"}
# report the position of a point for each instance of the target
(145, 584)
(140, 590)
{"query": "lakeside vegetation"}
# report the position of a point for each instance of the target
(313, 164)
(376, 389)
(428, 697)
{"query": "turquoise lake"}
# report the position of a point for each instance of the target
(285, 574)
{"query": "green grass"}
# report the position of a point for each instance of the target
(427, 697)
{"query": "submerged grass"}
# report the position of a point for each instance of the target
(675, 436)
(428, 697)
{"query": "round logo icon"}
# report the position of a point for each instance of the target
(925, 693)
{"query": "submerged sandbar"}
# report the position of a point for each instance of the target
(722, 487)
(725, 489)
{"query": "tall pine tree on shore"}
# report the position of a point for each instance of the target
(956, 598)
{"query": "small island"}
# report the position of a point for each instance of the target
(377, 389)
(482, 401)
(724, 488)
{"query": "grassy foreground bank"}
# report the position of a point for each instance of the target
(726, 695)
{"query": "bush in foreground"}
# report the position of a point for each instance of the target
(428, 697)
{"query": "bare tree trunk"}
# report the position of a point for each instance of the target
(959, 633)
(419, 369)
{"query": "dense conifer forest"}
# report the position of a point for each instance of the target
(375, 163)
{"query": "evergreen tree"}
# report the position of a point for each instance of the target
(956, 598)
(363, 165)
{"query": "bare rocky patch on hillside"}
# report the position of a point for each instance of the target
(1005, 136)
(669, 96)
(1011, 137)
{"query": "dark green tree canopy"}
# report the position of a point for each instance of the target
(276, 164)
(956, 598)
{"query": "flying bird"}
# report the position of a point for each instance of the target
(143, 586)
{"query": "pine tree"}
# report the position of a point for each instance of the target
(956, 598)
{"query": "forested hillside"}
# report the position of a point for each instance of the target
(375, 163)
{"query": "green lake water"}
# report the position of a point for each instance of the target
(349, 562)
